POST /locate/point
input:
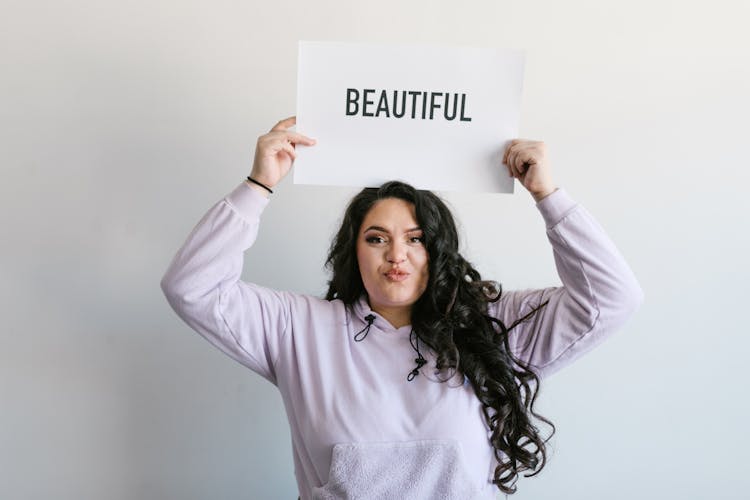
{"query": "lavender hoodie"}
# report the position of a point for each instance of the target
(359, 429)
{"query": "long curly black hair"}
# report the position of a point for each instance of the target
(451, 318)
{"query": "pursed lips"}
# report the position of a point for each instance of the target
(396, 274)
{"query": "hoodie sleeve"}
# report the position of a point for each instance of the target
(598, 293)
(203, 286)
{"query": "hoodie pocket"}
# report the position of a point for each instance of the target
(430, 469)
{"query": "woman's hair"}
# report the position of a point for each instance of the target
(451, 318)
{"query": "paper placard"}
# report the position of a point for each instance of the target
(438, 118)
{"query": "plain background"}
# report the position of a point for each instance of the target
(121, 123)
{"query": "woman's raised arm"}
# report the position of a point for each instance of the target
(599, 290)
(202, 283)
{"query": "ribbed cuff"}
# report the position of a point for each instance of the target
(247, 201)
(555, 207)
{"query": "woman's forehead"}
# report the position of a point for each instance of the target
(391, 213)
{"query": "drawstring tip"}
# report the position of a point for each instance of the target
(419, 360)
(360, 335)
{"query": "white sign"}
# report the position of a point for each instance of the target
(436, 117)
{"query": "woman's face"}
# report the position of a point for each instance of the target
(393, 260)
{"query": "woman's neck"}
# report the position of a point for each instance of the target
(396, 316)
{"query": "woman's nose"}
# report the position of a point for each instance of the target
(396, 253)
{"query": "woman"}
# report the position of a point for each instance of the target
(413, 378)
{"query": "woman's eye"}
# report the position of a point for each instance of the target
(374, 239)
(416, 237)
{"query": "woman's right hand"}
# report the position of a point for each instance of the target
(275, 153)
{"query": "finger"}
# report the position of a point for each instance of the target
(508, 160)
(289, 149)
(514, 171)
(513, 162)
(508, 149)
(514, 147)
(275, 140)
(525, 156)
(285, 123)
(522, 163)
(296, 138)
(271, 146)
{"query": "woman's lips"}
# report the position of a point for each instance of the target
(396, 275)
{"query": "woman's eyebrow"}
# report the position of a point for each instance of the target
(384, 230)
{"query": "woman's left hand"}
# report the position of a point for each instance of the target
(527, 161)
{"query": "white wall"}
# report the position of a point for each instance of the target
(122, 122)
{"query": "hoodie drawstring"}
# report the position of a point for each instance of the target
(419, 360)
(360, 335)
(413, 340)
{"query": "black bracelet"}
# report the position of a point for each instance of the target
(259, 184)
